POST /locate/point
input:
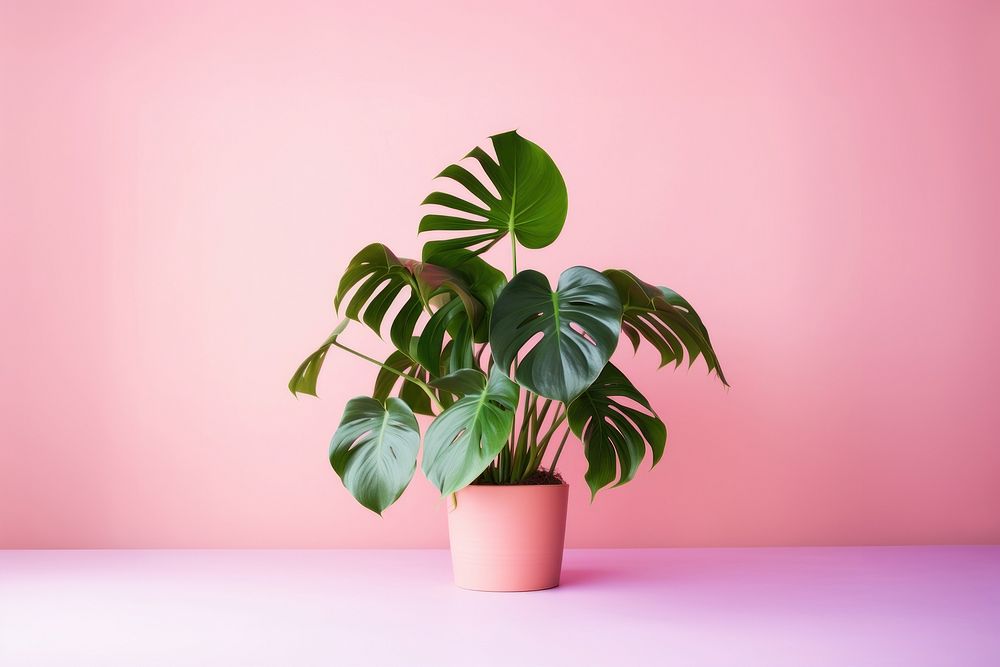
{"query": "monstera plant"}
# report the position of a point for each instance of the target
(507, 367)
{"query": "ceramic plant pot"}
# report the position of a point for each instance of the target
(508, 538)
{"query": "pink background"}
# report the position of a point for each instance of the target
(181, 189)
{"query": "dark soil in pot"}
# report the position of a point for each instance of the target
(536, 478)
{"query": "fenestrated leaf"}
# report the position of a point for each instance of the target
(615, 434)
(450, 317)
(304, 379)
(377, 277)
(665, 319)
(579, 325)
(484, 281)
(462, 382)
(532, 200)
(463, 439)
(375, 450)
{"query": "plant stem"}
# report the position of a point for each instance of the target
(424, 386)
(504, 464)
(543, 443)
(531, 453)
(513, 251)
(522, 448)
(559, 418)
(555, 459)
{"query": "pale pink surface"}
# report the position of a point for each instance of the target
(837, 606)
(181, 185)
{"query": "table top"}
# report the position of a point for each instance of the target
(764, 606)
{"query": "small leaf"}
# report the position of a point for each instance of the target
(386, 380)
(375, 450)
(411, 394)
(614, 434)
(463, 439)
(462, 382)
(304, 379)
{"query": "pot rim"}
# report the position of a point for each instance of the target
(510, 487)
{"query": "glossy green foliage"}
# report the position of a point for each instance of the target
(615, 423)
(377, 277)
(665, 319)
(528, 199)
(555, 343)
(466, 437)
(485, 282)
(395, 371)
(470, 347)
(304, 379)
(374, 450)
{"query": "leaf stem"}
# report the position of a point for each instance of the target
(424, 386)
(522, 450)
(513, 250)
(543, 443)
(555, 459)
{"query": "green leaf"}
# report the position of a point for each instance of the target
(665, 319)
(579, 325)
(304, 379)
(532, 200)
(375, 450)
(463, 439)
(485, 282)
(462, 382)
(377, 277)
(410, 393)
(615, 434)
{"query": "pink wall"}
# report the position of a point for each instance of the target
(181, 189)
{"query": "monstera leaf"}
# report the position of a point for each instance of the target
(461, 383)
(304, 379)
(463, 439)
(411, 394)
(375, 450)
(578, 325)
(665, 319)
(531, 205)
(613, 431)
(379, 276)
(485, 282)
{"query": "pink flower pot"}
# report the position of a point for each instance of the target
(508, 538)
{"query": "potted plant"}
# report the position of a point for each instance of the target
(507, 368)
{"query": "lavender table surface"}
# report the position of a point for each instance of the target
(769, 606)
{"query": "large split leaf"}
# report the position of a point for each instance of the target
(484, 281)
(375, 450)
(463, 439)
(614, 432)
(304, 379)
(576, 328)
(665, 319)
(377, 276)
(531, 205)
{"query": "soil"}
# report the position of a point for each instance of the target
(536, 478)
